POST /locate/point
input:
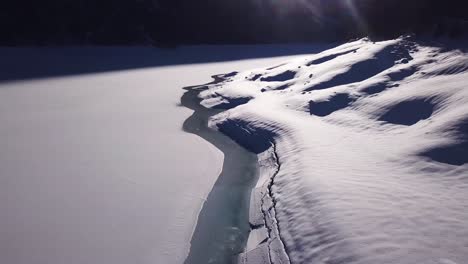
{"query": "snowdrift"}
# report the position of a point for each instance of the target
(363, 151)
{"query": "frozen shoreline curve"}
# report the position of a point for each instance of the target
(95, 166)
(362, 153)
(222, 227)
(237, 224)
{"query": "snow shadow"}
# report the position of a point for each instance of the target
(43, 62)
(363, 70)
(283, 86)
(409, 112)
(393, 77)
(329, 57)
(378, 88)
(335, 103)
(451, 69)
(402, 74)
(254, 139)
(282, 77)
(232, 102)
(255, 77)
(277, 66)
(455, 153)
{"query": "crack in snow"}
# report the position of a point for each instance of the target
(270, 195)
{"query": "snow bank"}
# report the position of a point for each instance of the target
(363, 150)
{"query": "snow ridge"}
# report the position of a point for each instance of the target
(373, 142)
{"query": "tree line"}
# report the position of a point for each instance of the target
(173, 22)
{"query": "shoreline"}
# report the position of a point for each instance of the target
(223, 226)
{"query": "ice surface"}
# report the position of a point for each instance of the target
(364, 151)
(95, 168)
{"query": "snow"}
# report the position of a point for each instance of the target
(95, 167)
(363, 152)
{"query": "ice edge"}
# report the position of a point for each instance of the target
(276, 250)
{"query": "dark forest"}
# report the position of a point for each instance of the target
(173, 22)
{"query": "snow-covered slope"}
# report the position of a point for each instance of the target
(95, 168)
(363, 150)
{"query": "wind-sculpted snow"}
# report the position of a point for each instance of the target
(335, 103)
(363, 153)
(456, 152)
(409, 112)
(329, 57)
(281, 77)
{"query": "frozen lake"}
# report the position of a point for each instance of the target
(95, 167)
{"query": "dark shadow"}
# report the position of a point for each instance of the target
(363, 70)
(277, 66)
(35, 62)
(335, 103)
(227, 75)
(409, 112)
(329, 57)
(283, 87)
(451, 69)
(378, 88)
(284, 76)
(232, 102)
(394, 77)
(254, 139)
(402, 74)
(453, 154)
(456, 154)
(255, 77)
(444, 43)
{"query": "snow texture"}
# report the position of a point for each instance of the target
(363, 152)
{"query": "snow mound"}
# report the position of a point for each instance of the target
(363, 153)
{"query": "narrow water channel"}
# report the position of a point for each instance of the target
(222, 229)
